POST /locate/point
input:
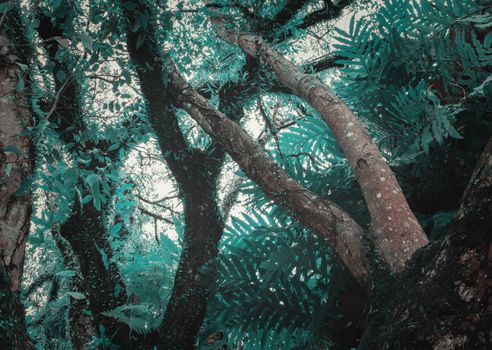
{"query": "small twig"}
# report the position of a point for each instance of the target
(155, 216)
(156, 235)
(270, 126)
(4, 14)
(155, 202)
(15, 161)
(297, 155)
(286, 125)
(57, 99)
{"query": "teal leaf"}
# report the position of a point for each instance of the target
(104, 257)
(15, 150)
(76, 295)
(454, 133)
(93, 181)
(115, 229)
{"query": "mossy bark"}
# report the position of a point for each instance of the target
(443, 300)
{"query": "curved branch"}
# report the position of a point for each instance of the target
(328, 220)
(396, 230)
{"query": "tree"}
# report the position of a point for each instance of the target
(16, 166)
(291, 257)
(195, 171)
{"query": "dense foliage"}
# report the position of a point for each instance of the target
(416, 72)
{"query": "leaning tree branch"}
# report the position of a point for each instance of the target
(397, 233)
(327, 219)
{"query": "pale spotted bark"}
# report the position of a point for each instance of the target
(396, 231)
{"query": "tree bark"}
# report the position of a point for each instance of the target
(16, 164)
(85, 229)
(81, 328)
(443, 300)
(203, 229)
(326, 218)
(103, 284)
(397, 233)
(196, 173)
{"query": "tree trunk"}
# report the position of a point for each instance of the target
(103, 285)
(196, 173)
(85, 229)
(81, 328)
(16, 164)
(443, 300)
(324, 217)
(397, 233)
(203, 230)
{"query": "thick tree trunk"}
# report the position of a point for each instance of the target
(81, 328)
(85, 229)
(196, 174)
(396, 231)
(103, 285)
(443, 300)
(203, 229)
(324, 217)
(16, 164)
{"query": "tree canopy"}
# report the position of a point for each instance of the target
(282, 174)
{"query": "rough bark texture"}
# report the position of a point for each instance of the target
(196, 174)
(396, 230)
(85, 229)
(103, 284)
(81, 326)
(187, 306)
(443, 300)
(324, 217)
(16, 164)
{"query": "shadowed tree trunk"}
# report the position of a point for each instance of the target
(186, 309)
(85, 229)
(196, 174)
(81, 327)
(443, 299)
(16, 165)
(103, 284)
